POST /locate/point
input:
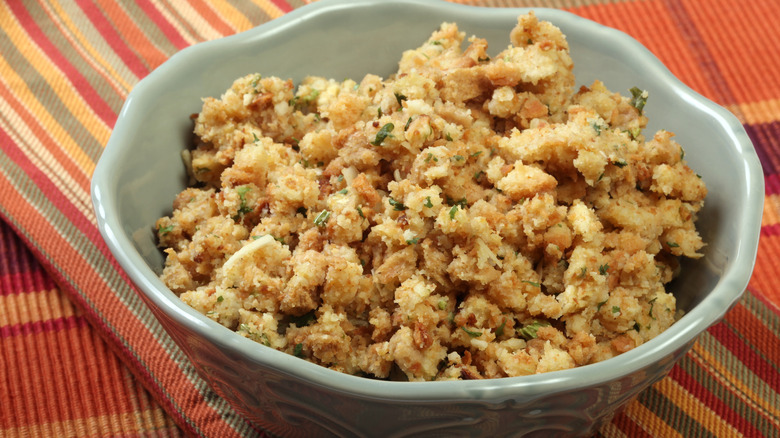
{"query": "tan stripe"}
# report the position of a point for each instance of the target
(734, 377)
(186, 32)
(650, 422)
(92, 42)
(695, 409)
(230, 14)
(559, 4)
(611, 431)
(204, 29)
(25, 308)
(771, 209)
(765, 111)
(59, 83)
(39, 155)
(269, 8)
(92, 426)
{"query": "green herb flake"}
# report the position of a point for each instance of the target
(597, 128)
(615, 309)
(500, 329)
(303, 320)
(165, 230)
(243, 208)
(620, 163)
(379, 112)
(435, 42)
(604, 269)
(428, 202)
(428, 158)
(408, 122)
(673, 244)
(448, 136)
(598, 306)
(343, 192)
(652, 304)
(413, 241)
(472, 333)
(476, 154)
(398, 206)
(442, 304)
(256, 80)
(532, 283)
(399, 98)
(529, 331)
(298, 350)
(638, 98)
(220, 299)
(583, 272)
(457, 157)
(478, 175)
(322, 218)
(255, 137)
(382, 134)
(453, 212)
(360, 211)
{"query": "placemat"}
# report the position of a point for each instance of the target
(80, 354)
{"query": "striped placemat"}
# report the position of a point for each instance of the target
(80, 355)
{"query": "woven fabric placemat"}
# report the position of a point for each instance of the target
(81, 355)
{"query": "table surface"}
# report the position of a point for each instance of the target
(80, 355)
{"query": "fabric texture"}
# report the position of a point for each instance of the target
(81, 355)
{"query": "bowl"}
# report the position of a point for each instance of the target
(140, 173)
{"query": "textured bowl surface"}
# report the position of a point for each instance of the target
(141, 171)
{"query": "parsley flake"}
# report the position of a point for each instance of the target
(638, 98)
(472, 333)
(398, 206)
(383, 133)
(322, 218)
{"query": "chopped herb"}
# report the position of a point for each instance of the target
(379, 112)
(165, 230)
(428, 202)
(583, 272)
(500, 329)
(428, 158)
(598, 306)
(457, 157)
(615, 309)
(600, 176)
(476, 154)
(383, 133)
(638, 98)
(597, 128)
(301, 210)
(435, 42)
(408, 122)
(472, 333)
(529, 41)
(396, 205)
(652, 304)
(256, 80)
(603, 269)
(255, 137)
(532, 283)
(478, 175)
(298, 350)
(673, 244)
(453, 212)
(448, 136)
(442, 304)
(620, 163)
(303, 320)
(360, 212)
(399, 98)
(243, 208)
(485, 59)
(220, 299)
(413, 241)
(340, 178)
(342, 192)
(529, 331)
(322, 218)
(682, 153)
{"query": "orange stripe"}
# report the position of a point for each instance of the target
(36, 306)
(269, 8)
(83, 45)
(132, 34)
(695, 409)
(766, 269)
(725, 375)
(771, 209)
(754, 332)
(153, 356)
(216, 22)
(238, 21)
(650, 422)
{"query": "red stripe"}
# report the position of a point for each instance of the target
(99, 106)
(24, 282)
(755, 333)
(713, 402)
(164, 25)
(36, 327)
(112, 37)
(629, 427)
(283, 5)
(758, 365)
(770, 230)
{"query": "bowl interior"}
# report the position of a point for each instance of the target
(141, 170)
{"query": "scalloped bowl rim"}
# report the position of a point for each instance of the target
(709, 311)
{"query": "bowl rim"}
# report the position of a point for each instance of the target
(708, 312)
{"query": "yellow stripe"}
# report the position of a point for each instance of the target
(201, 25)
(103, 425)
(650, 422)
(90, 55)
(269, 8)
(695, 408)
(771, 209)
(726, 378)
(188, 37)
(30, 307)
(61, 86)
(43, 160)
(237, 20)
(765, 111)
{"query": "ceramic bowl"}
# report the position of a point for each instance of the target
(141, 171)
